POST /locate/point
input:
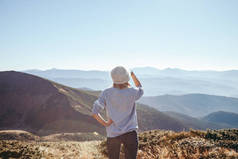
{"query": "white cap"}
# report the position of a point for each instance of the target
(120, 75)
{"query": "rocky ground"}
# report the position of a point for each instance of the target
(152, 144)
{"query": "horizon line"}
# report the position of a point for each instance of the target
(106, 70)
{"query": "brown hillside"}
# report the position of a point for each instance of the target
(41, 106)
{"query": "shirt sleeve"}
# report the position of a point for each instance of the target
(139, 93)
(99, 104)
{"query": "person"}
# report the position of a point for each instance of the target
(119, 103)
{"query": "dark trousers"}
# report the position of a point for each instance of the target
(130, 142)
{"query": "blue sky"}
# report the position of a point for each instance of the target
(96, 34)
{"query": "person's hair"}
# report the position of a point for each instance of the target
(121, 86)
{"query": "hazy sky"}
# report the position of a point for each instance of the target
(100, 34)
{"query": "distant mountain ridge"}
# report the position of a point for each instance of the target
(196, 123)
(155, 82)
(196, 105)
(60, 73)
(222, 117)
(173, 72)
(178, 72)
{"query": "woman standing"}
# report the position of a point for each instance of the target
(119, 102)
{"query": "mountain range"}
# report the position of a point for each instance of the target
(196, 105)
(155, 82)
(44, 107)
(198, 123)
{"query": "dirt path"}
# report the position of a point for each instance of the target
(77, 150)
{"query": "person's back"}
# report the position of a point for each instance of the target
(119, 102)
(120, 107)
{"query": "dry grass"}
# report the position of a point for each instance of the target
(80, 150)
(187, 145)
(73, 137)
(17, 135)
(22, 144)
(194, 144)
(64, 149)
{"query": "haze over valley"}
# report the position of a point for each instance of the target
(155, 82)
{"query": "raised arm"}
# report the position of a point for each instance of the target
(140, 91)
(135, 80)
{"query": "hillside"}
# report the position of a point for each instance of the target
(196, 105)
(152, 144)
(44, 107)
(149, 119)
(196, 123)
(227, 118)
